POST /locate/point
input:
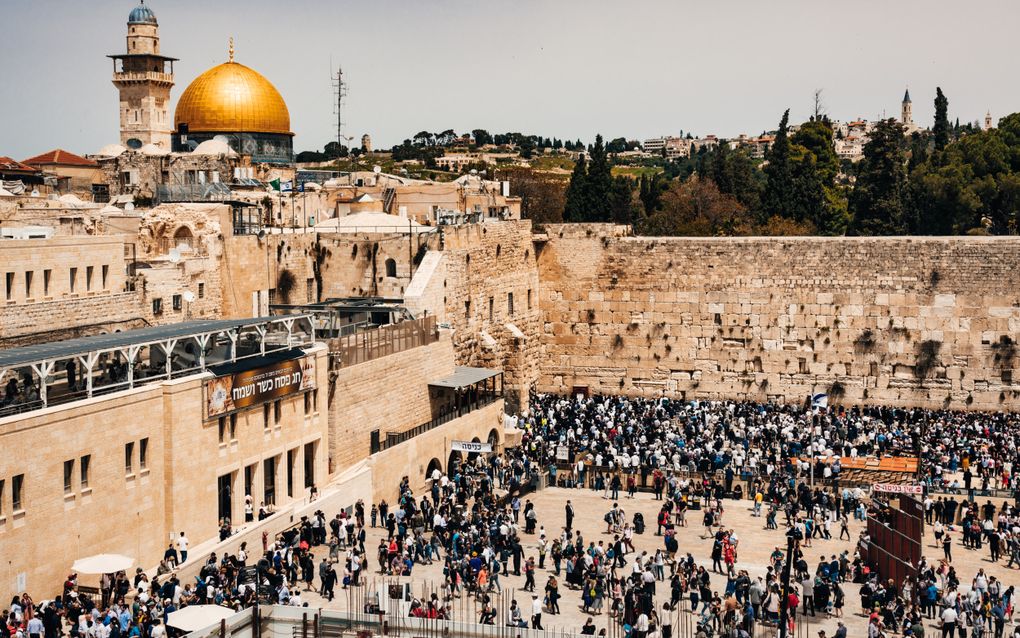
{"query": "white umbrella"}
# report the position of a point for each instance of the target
(195, 617)
(102, 564)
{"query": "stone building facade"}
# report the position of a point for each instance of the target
(897, 321)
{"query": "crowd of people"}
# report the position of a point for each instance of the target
(697, 459)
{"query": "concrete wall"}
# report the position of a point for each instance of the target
(902, 321)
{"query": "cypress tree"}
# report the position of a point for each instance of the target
(941, 129)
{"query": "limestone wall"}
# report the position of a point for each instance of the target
(902, 321)
(390, 394)
(485, 264)
(413, 457)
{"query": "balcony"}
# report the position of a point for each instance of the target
(143, 76)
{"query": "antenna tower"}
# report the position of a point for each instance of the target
(340, 92)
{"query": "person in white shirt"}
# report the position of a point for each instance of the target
(182, 547)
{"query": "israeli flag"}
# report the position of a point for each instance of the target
(820, 401)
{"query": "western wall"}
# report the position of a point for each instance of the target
(903, 321)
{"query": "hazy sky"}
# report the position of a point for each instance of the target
(563, 68)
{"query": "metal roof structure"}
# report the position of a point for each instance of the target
(464, 376)
(142, 356)
(27, 355)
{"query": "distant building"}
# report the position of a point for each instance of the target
(366, 143)
(74, 174)
(988, 121)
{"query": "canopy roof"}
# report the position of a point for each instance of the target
(464, 376)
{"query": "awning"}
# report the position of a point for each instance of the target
(102, 564)
(464, 376)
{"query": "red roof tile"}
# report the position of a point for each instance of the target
(8, 164)
(59, 156)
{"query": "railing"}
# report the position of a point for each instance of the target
(396, 438)
(369, 345)
(142, 76)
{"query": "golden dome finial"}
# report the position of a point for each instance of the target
(231, 50)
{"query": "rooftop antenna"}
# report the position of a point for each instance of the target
(340, 91)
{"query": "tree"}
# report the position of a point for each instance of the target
(481, 137)
(877, 201)
(778, 196)
(542, 195)
(697, 208)
(599, 183)
(941, 129)
(817, 198)
(575, 205)
(622, 208)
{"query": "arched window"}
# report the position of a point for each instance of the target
(391, 267)
(184, 241)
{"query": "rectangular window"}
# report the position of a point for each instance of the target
(10, 286)
(17, 495)
(529, 298)
(157, 306)
(467, 309)
(46, 281)
(308, 402)
(106, 276)
(223, 428)
(129, 455)
(265, 416)
(491, 306)
(269, 480)
(88, 277)
(28, 283)
(310, 290)
(277, 412)
(86, 462)
(233, 427)
(201, 290)
(510, 303)
(73, 277)
(291, 458)
(177, 302)
(143, 453)
(309, 464)
(68, 476)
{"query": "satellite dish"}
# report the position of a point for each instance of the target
(189, 296)
(377, 169)
(175, 255)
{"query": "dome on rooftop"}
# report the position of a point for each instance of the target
(142, 15)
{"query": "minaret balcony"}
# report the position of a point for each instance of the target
(143, 76)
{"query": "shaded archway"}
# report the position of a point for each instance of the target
(453, 463)
(494, 439)
(473, 455)
(434, 464)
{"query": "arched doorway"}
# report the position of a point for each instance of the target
(473, 455)
(494, 440)
(453, 463)
(434, 464)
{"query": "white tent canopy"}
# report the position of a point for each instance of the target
(102, 564)
(195, 617)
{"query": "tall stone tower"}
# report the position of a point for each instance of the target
(144, 78)
(988, 121)
(906, 112)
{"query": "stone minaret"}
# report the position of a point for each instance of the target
(144, 77)
(906, 112)
(988, 121)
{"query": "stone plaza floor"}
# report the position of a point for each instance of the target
(755, 546)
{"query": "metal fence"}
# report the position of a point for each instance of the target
(386, 340)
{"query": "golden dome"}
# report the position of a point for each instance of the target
(232, 98)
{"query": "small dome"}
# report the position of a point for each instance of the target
(216, 146)
(111, 150)
(142, 15)
(152, 149)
